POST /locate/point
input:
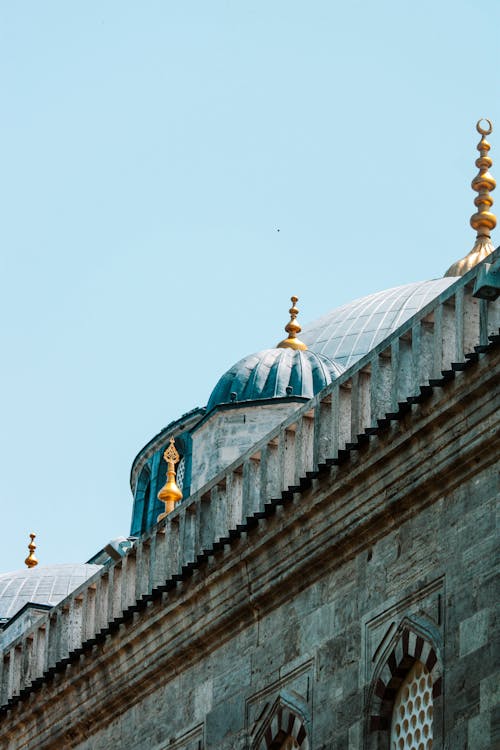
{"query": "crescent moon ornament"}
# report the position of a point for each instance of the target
(481, 129)
(483, 220)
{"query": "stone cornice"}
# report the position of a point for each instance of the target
(319, 527)
(322, 486)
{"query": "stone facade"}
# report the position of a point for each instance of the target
(283, 603)
(230, 431)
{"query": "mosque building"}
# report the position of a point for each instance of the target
(311, 558)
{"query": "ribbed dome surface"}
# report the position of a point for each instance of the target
(350, 331)
(45, 584)
(268, 374)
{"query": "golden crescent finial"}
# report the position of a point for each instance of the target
(292, 328)
(31, 560)
(481, 130)
(483, 221)
(170, 493)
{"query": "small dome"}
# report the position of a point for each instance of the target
(45, 584)
(348, 332)
(275, 373)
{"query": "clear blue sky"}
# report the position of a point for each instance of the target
(150, 151)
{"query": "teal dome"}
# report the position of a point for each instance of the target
(275, 373)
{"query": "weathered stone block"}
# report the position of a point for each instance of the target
(474, 632)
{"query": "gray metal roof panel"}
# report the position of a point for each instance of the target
(348, 332)
(45, 584)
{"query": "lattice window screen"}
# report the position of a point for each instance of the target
(181, 470)
(411, 727)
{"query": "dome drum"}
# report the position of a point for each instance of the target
(252, 398)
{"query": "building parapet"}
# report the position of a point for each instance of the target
(429, 349)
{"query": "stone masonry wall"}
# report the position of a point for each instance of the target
(306, 608)
(437, 566)
(228, 433)
(297, 586)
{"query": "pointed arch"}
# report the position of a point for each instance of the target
(285, 725)
(414, 641)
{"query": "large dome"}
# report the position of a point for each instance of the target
(348, 332)
(275, 373)
(45, 584)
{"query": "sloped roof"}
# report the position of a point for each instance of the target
(45, 584)
(275, 373)
(348, 332)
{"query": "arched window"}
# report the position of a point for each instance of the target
(141, 502)
(180, 473)
(404, 708)
(412, 714)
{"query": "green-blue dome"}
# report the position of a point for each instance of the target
(275, 373)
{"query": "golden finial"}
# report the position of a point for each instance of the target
(292, 328)
(31, 560)
(483, 221)
(170, 494)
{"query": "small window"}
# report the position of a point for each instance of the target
(181, 470)
(411, 725)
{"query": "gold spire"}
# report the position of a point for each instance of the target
(292, 328)
(483, 221)
(170, 493)
(31, 560)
